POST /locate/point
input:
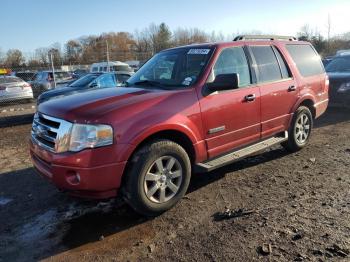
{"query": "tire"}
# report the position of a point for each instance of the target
(300, 130)
(149, 191)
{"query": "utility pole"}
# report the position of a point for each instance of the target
(53, 69)
(107, 51)
(328, 32)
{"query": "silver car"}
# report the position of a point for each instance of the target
(13, 88)
(44, 80)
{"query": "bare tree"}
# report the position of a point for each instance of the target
(14, 58)
(41, 55)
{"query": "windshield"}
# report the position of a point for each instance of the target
(84, 81)
(172, 69)
(339, 64)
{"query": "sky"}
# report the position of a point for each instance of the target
(29, 24)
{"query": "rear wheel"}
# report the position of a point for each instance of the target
(157, 178)
(300, 130)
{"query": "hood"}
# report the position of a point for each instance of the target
(60, 92)
(92, 105)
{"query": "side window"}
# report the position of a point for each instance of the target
(306, 59)
(267, 63)
(122, 78)
(106, 80)
(233, 60)
(283, 65)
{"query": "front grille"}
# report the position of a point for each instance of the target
(49, 132)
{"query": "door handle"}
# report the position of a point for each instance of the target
(292, 88)
(250, 98)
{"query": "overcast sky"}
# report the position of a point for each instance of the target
(29, 24)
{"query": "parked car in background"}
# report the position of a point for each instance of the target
(338, 71)
(115, 66)
(86, 83)
(79, 73)
(25, 75)
(220, 103)
(327, 60)
(44, 80)
(343, 52)
(13, 88)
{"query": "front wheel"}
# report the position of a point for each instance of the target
(158, 176)
(300, 130)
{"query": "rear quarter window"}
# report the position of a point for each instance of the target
(306, 59)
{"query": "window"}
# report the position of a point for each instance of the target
(106, 80)
(306, 59)
(269, 69)
(233, 60)
(95, 69)
(122, 78)
(284, 69)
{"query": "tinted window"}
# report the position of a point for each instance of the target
(122, 77)
(106, 80)
(95, 69)
(306, 59)
(340, 64)
(283, 65)
(233, 60)
(267, 63)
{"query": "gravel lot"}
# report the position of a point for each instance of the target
(299, 209)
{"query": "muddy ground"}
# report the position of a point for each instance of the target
(300, 207)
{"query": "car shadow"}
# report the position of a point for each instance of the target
(333, 115)
(8, 121)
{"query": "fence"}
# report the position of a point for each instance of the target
(21, 86)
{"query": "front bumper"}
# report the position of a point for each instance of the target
(81, 174)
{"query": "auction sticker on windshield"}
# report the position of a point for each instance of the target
(198, 51)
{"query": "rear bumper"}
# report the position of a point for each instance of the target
(98, 181)
(6, 97)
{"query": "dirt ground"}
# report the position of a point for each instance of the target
(299, 203)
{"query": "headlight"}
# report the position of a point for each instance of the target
(344, 87)
(90, 136)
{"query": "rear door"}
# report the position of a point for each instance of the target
(230, 119)
(278, 89)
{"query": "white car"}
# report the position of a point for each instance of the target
(115, 66)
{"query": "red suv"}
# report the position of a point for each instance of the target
(196, 107)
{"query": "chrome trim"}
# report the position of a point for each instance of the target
(216, 129)
(60, 135)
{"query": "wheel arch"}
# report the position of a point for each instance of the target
(174, 135)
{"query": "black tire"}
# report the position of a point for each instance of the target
(293, 144)
(145, 158)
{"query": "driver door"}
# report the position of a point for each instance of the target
(231, 118)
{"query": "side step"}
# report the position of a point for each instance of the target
(241, 153)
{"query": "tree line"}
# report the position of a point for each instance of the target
(141, 45)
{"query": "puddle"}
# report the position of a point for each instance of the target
(5, 201)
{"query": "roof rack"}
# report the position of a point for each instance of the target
(264, 37)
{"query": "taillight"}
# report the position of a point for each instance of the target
(26, 86)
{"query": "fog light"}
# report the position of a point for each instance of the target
(73, 178)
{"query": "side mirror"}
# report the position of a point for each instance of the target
(224, 82)
(93, 84)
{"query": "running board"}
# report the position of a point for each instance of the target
(241, 153)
